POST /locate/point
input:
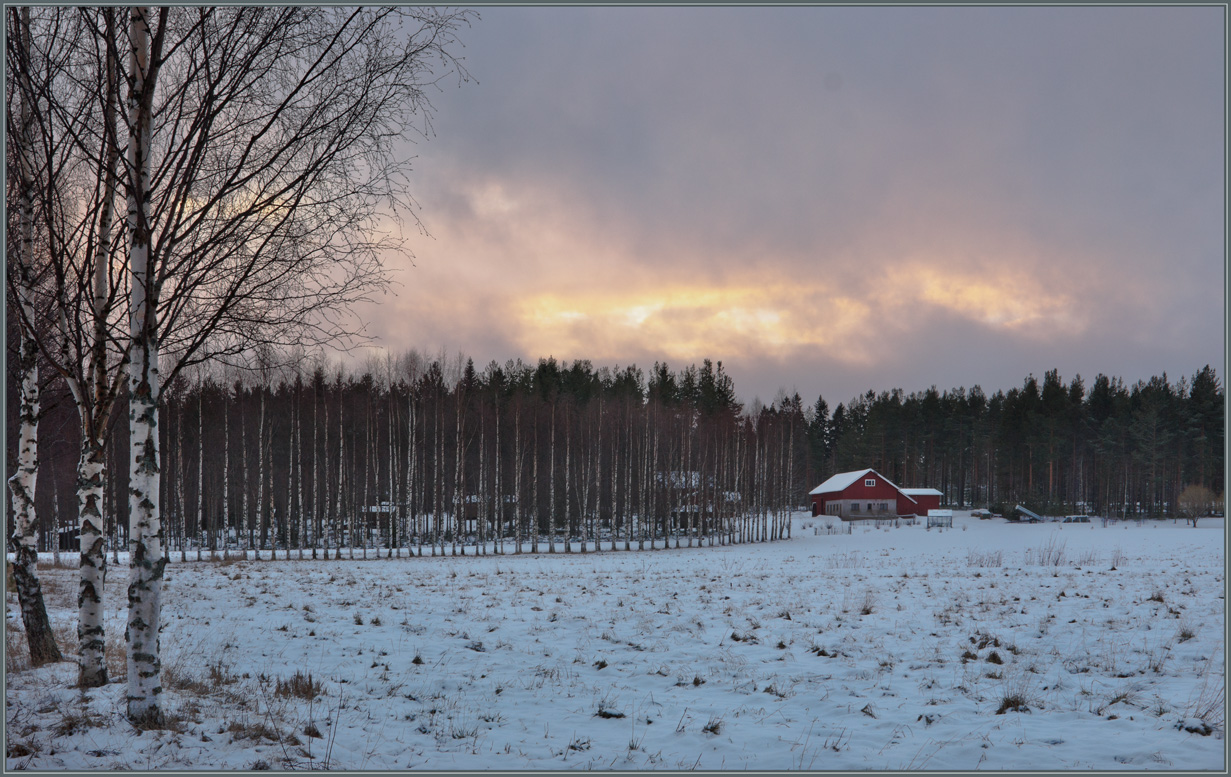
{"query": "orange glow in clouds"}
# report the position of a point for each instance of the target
(688, 323)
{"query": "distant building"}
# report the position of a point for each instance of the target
(926, 498)
(867, 494)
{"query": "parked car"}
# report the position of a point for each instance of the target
(1077, 519)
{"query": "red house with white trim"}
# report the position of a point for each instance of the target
(868, 494)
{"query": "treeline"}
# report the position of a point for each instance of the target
(433, 455)
(1109, 449)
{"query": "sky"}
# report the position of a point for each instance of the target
(827, 200)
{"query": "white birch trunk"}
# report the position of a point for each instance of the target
(226, 476)
(551, 485)
(437, 482)
(497, 486)
(181, 498)
(411, 510)
(396, 518)
(22, 484)
(517, 495)
(260, 480)
(316, 480)
(534, 495)
(91, 637)
(298, 448)
(364, 502)
(338, 487)
(22, 488)
(241, 531)
(145, 530)
(596, 520)
(481, 506)
(568, 465)
(627, 474)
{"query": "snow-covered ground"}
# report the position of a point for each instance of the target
(899, 648)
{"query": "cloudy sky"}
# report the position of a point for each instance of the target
(827, 200)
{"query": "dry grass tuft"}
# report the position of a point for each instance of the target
(991, 558)
(1185, 632)
(219, 674)
(116, 657)
(176, 679)
(1049, 554)
(1117, 558)
(16, 654)
(605, 711)
(300, 686)
(1210, 706)
(1012, 702)
(166, 722)
(868, 606)
(256, 730)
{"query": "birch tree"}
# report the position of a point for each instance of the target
(22, 484)
(68, 152)
(274, 161)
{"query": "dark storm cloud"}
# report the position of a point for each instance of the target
(971, 191)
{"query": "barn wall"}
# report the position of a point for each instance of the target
(927, 502)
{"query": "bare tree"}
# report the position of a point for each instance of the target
(22, 484)
(73, 76)
(254, 205)
(1196, 501)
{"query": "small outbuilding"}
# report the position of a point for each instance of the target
(867, 494)
(925, 498)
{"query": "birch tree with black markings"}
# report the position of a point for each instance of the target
(255, 205)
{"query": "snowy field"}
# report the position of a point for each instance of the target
(984, 646)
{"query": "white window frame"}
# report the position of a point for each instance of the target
(869, 483)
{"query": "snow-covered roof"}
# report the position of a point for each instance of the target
(843, 480)
(920, 492)
(839, 482)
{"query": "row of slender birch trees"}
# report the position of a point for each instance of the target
(432, 456)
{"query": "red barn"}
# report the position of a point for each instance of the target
(868, 494)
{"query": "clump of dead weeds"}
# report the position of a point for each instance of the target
(299, 685)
